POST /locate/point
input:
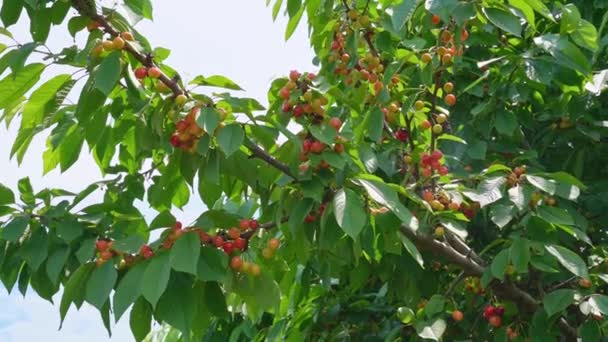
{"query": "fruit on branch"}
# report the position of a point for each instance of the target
(317, 147)
(228, 247)
(446, 36)
(118, 43)
(181, 99)
(108, 45)
(127, 36)
(154, 72)
(338, 148)
(439, 232)
(93, 25)
(441, 118)
(419, 105)
(401, 134)
(446, 59)
(240, 244)
(450, 99)
(274, 244)
(146, 252)
(457, 315)
(435, 19)
(495, 321)
(236, 263)
(102, 245)
(267, 253)
(425, 124)
(336, 123)
(255, 270)
(294, 75)
(584, 283)
(234, 233)
(448, 87)
(218, 241)
(141, 73)
(464, 35)
(437, 129)
(426, 58)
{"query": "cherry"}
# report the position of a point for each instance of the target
(303, 167)
(584, 283)
(426, 58)
(437, 129)
(105, 255)
(435, 19)
(495, 321)
(401, 135)
(446, 36)
(203, 236)
(146, 252)
(255, 270)
(240, 243)
(298, 111)
(335, 45)
(118, 43)
(218, 241)
(244, 224)
(339, 148)
(178, 225)
(464, 35)
(408, 159)
(286, 108)
(324, 164)
(457, 315)
(520, 170)
(108, 44)
(253, 224)
(141, 72)
(345, 57)
(154, 72)
(437, 155)
(175, 141)
(128, 36)
(234, 233)
(426, 124)
(489, 311)
(317, 147)
(335, 123)
(428, 196)
(450, 99)
(267, 253)
(294, 75)
(284, 93)
(102, 245)
(181, 99)
(309, 218)
(93, 25)
(236, 263)
(446, 58)
(273, 244)
(443, 170)
(228, 247)
(419, 105)
(454, 206)
(448, 87)
(439, 231)
(311, 76)
(246, 267)
(441, 118)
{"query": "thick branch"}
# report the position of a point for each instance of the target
(504, 290)
(258, 152)
(83, 8)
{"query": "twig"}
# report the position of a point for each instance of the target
(258, 152)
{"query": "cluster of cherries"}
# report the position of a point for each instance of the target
(432, 162)
(441, 201)
(473, 285)
(187, 132)
(312, 215)
(311, 145)
(309, 104)
(515, 176)
(493, 314)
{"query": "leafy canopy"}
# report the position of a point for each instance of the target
(440, 175)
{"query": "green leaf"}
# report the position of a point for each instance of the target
(10, 12)
(100, 284)
(156, 277)
(141, 7)
(564, 52)
(42, 101)
(503, 20)
(502, 214)
(108, 74)
(216, 81)
(13, 87)
(349, 212)
(499, 264)
(180, 294)
(185, 253)
(375, 123)
(230, 138)
(506, 122)
(411, 249)
(570, 260)
(488, 191)
(70, 229)
(293, 22)
(541, 8)
(402, 13)
(14, 230)
(298, 213)
(558, 300)
(56, 262)
(74, 289)
(35, 249)
(555, 215)
(215, 300)
(385, 195)
(141, 317)
(70, 147)
(324, 133)
(129, 289)
(585, 35)
(435, 305)
(569, 19)
(212, 265)
(477, 150)
(6, 195)
(520, 254)
(129, 244)
(526, 10)
(86, 250)
(209, 119)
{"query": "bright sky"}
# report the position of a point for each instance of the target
(233, 38)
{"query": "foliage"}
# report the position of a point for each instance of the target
(448, 159)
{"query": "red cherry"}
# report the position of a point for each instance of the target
(335, 123)
(254, 224)
(240, 243)
(298, 111)
(443, 170)
(425, 159)
(317, 147)
(495, 321)
(309, 218)
(284, 93)
(426, 124)
(428, 196)
(105, 255)
(311, 76)
(218, 241)
(339, 148)
(234, 233)
(236, 263)
(203, 236)
(286, 108)
(335, 45)
(228, 247)
(435, 19)
(436, 155)
(427, 172)
(102, 245)
(244, 224)
(294, 75)
(154, 72)
(464, 35)
(489, 311)
(273, 244)
(499, 310)
(435, 164)
(181, 125)
(457, 315)
(177, 225)
(306, 145)
(401, 135)
(141, 73)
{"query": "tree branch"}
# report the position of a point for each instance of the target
(83, 9)
(258, 152)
